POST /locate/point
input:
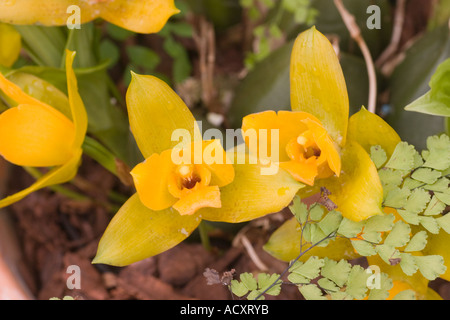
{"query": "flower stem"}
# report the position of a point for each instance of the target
(203, 231)
(98, 152)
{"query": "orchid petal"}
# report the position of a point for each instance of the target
(135, 15)
(155, 113)
(357, 193)
(317, 83)
(79, 115)
(58, 175)
(368, 129)
(136, 233)
(252, 194)
(36, 136)
(47, 13)
(10, 45)
(151, 180)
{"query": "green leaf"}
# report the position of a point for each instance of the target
(397, 198)
(381, 293)
(387, 252)
(410, 80)
(327, 285)
(330, 223)
(408, 264)
(364, 248)
(309, 269)
(357, 282)
(444, 197)
(379, 223)
(238, 288)
(339, 295)
(405, 295)
(426, 175)
(118, 33)
(409, 217)
(378, 156)
(336, 271)
(316, 234)
(436, 100)
(255, 293)
(402, 158)
(143, 57)
(349, 228)
(417, 242)
(431, 266)
(390, 177)
(182, 29)
(298, 279)
(444, 222)
(430, 224)
(299, 210)
(311, 292)
(248, 280)
(439, 156)
(417, 201)
(410, 183)
(372, 236)
(399, 235)
(316, 213)
(440, 186)
(266, 280)
(435, 206)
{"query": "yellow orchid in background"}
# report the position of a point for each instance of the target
(176, 186)
(135, 15)
(10, 45)
(35, 134)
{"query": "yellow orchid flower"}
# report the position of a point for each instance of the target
(10, 45)
(182, 182)
(318, 144)
(34, 134)
(322, 147)
(135, 15)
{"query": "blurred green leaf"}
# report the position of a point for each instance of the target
(118, 33)
(108, 50)
(410, 81)
(143, 57)
(437, 100)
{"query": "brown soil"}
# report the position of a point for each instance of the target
(55, 232)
